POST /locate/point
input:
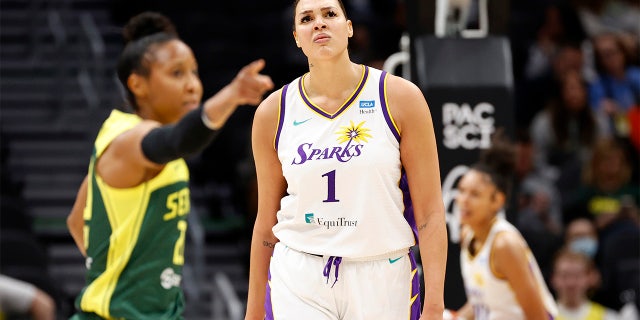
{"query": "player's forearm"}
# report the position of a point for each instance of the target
(220, 107)
(188, 136)
(465, 313)
(432, 234)
(75, 229)
(261, 250)
(75, 220)
(535, 310)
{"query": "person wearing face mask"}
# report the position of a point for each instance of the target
(130, 215)
(572, 279)
(581, 236)
(348, 181)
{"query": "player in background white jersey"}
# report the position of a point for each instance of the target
(331, 149)
(501, 277)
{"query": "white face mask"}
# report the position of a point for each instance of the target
(585, 245)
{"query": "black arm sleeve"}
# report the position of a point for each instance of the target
(185, 138)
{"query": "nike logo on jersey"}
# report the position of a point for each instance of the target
(394, 260)
(297, 123)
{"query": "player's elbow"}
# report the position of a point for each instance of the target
(75, 223)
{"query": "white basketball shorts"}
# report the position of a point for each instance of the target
(312, 287)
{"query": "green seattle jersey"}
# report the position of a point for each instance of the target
(134, 239)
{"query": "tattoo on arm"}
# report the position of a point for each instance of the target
(268, 244)
(422, 226)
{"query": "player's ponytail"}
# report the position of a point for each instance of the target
(146, 24)
(499, 162)
(142, 34)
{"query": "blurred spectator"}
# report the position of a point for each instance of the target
(572, 279)
(581, 236)
(537, 92)
(599, 16)
(610, 198)
(22, 298)
(564, 133)
(607, 187)
(547, 51)
(551, 35)
(620, 258)
(617, 88)
(539, 206)
(539, 209)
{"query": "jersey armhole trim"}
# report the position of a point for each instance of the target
(281, 110)
(382, 88)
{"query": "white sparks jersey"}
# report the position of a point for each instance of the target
(343, 173)
(492, 297)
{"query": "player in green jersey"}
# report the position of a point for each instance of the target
(129, 218)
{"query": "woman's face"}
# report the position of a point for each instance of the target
(610, 53)
(321, 28)
(571, 279)
(574, 92)
(478, 199)
(609, 170)
(173, 86)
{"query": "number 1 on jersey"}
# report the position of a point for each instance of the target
(331, 186)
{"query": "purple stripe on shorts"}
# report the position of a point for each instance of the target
(283, 98)
(415, 289)
(268, 307)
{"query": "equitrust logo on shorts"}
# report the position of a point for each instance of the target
(329, 223)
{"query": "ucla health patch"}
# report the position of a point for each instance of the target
(366, 104)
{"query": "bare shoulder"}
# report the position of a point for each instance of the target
(406, 102)
(130, 138)
(400, 88)
(509, 255)
(269, 107)
(265, 121)
(508, 244)
(123, 164)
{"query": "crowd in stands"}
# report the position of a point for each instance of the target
(577, 104)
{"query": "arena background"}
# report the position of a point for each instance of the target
(57, 84)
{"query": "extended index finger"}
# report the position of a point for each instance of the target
(255, 66)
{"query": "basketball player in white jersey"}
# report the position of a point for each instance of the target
(501, 277)
(337, 151)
